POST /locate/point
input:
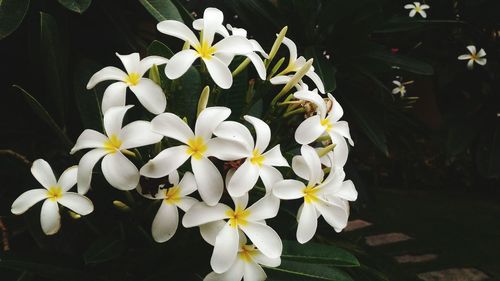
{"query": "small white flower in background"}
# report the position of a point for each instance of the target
(149, 94)
(118, 170)
(226, 235)
(56, 191)
(258, 162)
(197, 145)
(210, 53)
(246, 266)
(294, 65)
(416, 7)
(399, 89)
(326, 121)
(167, 218)
(326, 197)
(474, 57)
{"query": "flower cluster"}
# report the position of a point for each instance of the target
(184, 161)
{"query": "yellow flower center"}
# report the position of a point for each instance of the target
(326, 123)
(247, 252)
(133, 79)
(113, 144)
(237, 217)
(418, 9)
(310, 194)
(173, 195)
(54, 193)
(205, 50)
(196, 147)
(257, 158)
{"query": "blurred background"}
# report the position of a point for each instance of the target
(426, 164)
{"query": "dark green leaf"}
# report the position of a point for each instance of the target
(45, 116)
(106, 248)
(318, 253)
(324, 69)
(78, 6)
(185, 94)
(12, 13)
(157, 48)
(488, 152)
(235, 96)
(88, 101)
(162, 9)
(306, 271)
(404, 62)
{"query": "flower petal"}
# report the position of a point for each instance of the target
(187, 184)
(413, 13)
(481, 53)
(341, 150)
(253, 271)
(89, 139)
(85, 167)
(210, 230)
(336, 112)
(237, 45)
(212, 20)
(269, 176)
(171, 126)
(472, 49)
(262, 132)
(131, 62)
(308, 223)
(313, 164)
(209, 119)
(186, 203)
(180, 63)
(107, 73)
(148, 62)
(237, 132)
(273, 157)
(264, 237)
(481, 61)
(114, 95)
(235, 272)
(76, 203)
(299, 167)
(165, 162)
(334, 215)
(225, 249)
(309, 130)
(258, 64)
(265, 208)
(150, 95)
(292, 48)
(244, 179)
(280, 79)
(470, 64)
(267, 261)
(347, 191)
(119, 171)
(317, 81)
(219, 72)
(289, 189)
(68, 178)
(201, 213)
(423, 14)
(138, 133)
(208, 179)
(313, 97)
(179, 30)
(342, 128)
(27, 200)
(464, 57)
(43, 173)
(226, 150)
(165, 223)
(409, 6)
(50, 219)
(113, 119)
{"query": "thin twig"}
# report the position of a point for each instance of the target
(16, 155)
(5, 236)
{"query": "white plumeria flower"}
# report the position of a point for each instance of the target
(209, 53)
(247, 266)
(198, 145)
(54, 192)
(474, 57)
(416, 7)
(258, 162)
(149, 94)
(326, 197)
(326, 121)
(118, 170)
(399, 89)
(167, 218)
(294, 65)
(249, 221)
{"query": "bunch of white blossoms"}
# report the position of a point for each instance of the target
(241, 239)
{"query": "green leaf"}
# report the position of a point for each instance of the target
(307, 271)
(54, 58)
(324, 69)
(157, 48)
(106, 248)
(162, 9)
(404, 62)
(88, 101)
(488, 151)
(78, 6)
(45, 116)
(235, 97)
(318, 253)
(185, 94)
(12, 13)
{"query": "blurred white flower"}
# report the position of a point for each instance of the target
(399, 89)
(416, 7)
(474, 57)
(118, 170)
(56, 191)
(149, 94)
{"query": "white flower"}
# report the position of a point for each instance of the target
(119, 171)
(399, 89)
(246, 266)
(204, 48)
(326, 197)
(326, 121)
(249, 221)
(167, 218)
(56, 191)
(474, 56)
(258, 162)
(149, 94)
(198, 146)
(294, 65)
(416, 7)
